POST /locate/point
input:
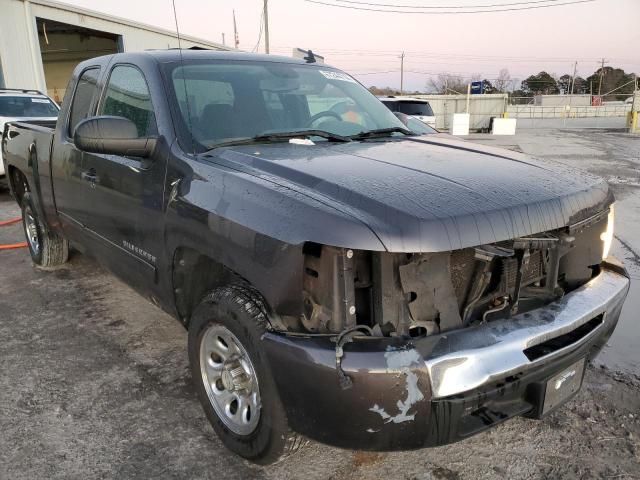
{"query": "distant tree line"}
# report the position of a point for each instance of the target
(386, 91)
(602, 81)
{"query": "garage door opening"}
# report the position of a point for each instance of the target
(63, 46)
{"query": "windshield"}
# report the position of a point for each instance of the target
(23, 106)
(225, 100)
(415, 108)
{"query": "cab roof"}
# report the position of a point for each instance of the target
(175, 54)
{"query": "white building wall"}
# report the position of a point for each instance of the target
(15, 48)
(20, 50)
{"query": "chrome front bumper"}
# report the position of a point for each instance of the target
(490, 352)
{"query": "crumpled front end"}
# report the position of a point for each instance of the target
(396, 350)
(409, 393)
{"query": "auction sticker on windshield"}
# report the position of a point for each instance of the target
(337, 76)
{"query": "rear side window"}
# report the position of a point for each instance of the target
(83, 98)
(128, 96)
(25, 106)
(415, 108)
(393, 106)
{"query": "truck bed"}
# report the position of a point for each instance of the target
(26, 145)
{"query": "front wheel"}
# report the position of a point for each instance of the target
(47, 249)
(232, 376)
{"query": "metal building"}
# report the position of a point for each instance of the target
(41, 42)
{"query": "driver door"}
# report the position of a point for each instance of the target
(126, 193)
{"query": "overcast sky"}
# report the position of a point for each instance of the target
(362, 42)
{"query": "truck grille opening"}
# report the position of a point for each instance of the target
(555, 344)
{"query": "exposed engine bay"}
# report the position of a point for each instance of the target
(421, 294)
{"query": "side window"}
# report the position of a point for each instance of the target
(83, 97)
(128, 96)
(393, 106)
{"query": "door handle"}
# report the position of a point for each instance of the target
(90, 177)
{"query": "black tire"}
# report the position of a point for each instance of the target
(242, 311)
(47, 249)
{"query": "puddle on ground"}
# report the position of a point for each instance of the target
(622, 351)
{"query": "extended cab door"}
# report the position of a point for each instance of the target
(67, 161)
(126, 193)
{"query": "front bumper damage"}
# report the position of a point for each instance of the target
(410, 393)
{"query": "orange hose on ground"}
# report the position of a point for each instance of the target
(11, 246)
(10, 222)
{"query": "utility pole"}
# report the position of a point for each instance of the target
(266, 27)
(223, 42)
(601, 75)
(573, 78)
(236, 40)
(401, 73)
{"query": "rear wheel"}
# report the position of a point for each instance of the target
(232, 376)
(47, 249)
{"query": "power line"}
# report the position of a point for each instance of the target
(445, 57)
(432, 7)
(459, 12)
(356, 74)
(417, 53)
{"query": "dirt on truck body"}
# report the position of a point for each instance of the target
(419, 289)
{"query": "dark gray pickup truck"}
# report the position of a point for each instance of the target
(341, 278)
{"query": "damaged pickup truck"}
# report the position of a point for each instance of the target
(341, 278)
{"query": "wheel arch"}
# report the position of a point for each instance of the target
(18, 183)
(195, 274)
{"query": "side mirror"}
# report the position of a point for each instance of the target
(112, 136)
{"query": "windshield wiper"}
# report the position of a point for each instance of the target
(280, 136)
(380, 132)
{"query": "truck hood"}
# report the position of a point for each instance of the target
(429, 194)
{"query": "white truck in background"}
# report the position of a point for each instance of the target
(414, 107)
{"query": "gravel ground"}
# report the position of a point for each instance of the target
(95, 384)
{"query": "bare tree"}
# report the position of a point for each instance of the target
(501, 83)
(447, 83)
